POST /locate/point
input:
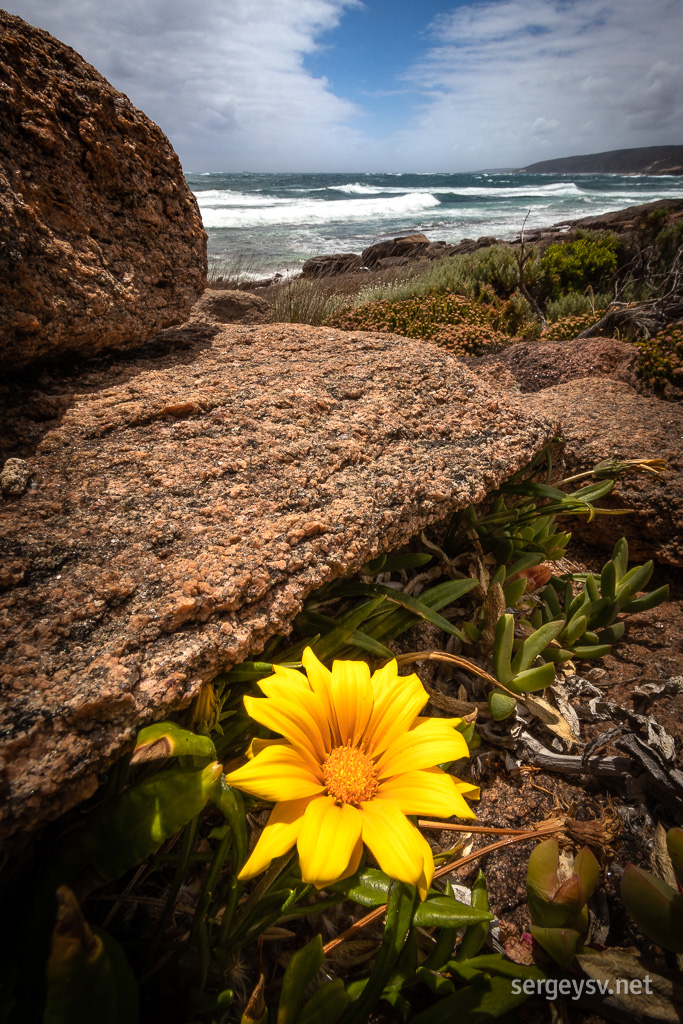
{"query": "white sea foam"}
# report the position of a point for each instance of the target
(317, 211)
(215, 198)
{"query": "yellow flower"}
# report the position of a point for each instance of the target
(355, 760)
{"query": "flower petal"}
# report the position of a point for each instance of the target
(279, 835)
(398, 702)
(291, 719)
(430, 742)
(397, 846)
(306, 705)
(430, 791)
(320, 680)
(328, 841)
(352, 698)
(278, 772)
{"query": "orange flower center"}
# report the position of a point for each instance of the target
(349, 775)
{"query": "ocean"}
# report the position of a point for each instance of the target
(274, 222)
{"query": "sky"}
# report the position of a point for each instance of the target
(385, 85)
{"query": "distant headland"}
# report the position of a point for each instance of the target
(647, 160)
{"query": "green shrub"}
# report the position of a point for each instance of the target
(575, 304)
(568, 327)
(661, 357)
(488, 275)
(578, 265)
(447, 319)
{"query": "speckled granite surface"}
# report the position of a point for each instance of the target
(186, 498)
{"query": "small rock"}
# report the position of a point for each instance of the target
(15, 477)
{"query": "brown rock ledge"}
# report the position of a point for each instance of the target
(603, 418)
(185, 499)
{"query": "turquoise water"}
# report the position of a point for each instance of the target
(277, 221)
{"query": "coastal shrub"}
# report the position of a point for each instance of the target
(485, 275)
(447, 319)
(567, 327)
(576, 304)
(661, 357)
(580, 264)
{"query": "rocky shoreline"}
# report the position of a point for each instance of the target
(409, 248)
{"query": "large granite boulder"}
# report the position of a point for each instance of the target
(184, 499)
(101, 242)
(599, 419)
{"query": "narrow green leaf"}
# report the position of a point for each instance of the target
(301, 970)
(594, 651)
(447, 912)
(502, 648)
(527, 561)
(651, 600)
(398, 921)
(412, 604)
(636, 579)
(514, 592)
(475, 934)
(533, 679)
(608, 580)
(620, 558)
(534, 645)
(576, 628)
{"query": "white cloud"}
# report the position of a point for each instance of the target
(520, 80)
(498, 82)
(225, 79)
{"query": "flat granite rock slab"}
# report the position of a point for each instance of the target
(186, 498)
(601, 419)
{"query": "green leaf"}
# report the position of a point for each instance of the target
(533, 490)
(408, 560)
(514, 591)
(559, 943)
(369, 887)
(326, 1005)
(447, 912)
(594, 651)
(329, 645)
(502, 648)
(674, 844)
(575, 629)
(651, 600)
(166, 739)
(620, 558)
(398, 921)
(412, 604)
(533, 679)
(475, 934)
(612, 634)
(301, 970)
(122, 833)
(535, 645)
(549, 595)
(635, 579)
(500, 705)
(593, 492)
(608, 580)
(476, 1004)
(654, 906)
